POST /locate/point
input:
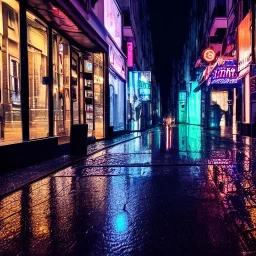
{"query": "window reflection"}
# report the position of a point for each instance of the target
(10, 222)
(37, 69)
(61, 88)
(40, 208)
(10, 105)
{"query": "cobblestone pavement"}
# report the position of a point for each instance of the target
(169, 191)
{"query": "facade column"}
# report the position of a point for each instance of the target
(50, 83)
(106, 93)
(24, 71)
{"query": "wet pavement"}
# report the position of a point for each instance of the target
(178, 191)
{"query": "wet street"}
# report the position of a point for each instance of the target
(177, 191)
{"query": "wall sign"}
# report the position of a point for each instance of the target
(140, 85)
(113, 21)
(225, 72)
(117, 61)
(209, 55)
(129, 54)
(244, 39)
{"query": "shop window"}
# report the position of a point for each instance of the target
(37, 69)
(117, 102)
(61, 86)
(10, 105)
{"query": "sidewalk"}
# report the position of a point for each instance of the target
(13, 180)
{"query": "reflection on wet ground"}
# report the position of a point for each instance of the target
(177, 191)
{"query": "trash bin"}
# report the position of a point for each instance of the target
(78, 140)
(110, 132)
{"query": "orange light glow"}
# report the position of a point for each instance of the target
(209, 55)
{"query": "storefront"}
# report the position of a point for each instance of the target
(117, 84)
(139, 100)
(219, 84)
(222, 81)
(65, 75)
(117, 67)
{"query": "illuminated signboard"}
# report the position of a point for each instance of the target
(113, 21)
(209, 55)
(117, 61)
(244, 43)
(140, 85)
(225, 72)
(129, 54)
(144, 85)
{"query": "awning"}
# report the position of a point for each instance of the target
(73, 26)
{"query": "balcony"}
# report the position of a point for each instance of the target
(218, 20)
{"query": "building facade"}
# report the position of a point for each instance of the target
(62, 63)
(218, 65)
(142, 92)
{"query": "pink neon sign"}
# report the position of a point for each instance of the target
(129, 54)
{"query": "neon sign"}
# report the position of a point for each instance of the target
(129, 54)
(209, 55)
(224, 73)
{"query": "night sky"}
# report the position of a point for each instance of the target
(169, 26)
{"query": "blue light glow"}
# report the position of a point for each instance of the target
(121, 222)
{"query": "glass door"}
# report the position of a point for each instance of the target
(98, 95)
(61, 86)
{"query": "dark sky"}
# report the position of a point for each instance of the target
(169, 26)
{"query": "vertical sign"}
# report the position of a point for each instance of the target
(113, 21)
(244, 42)
(129, 54)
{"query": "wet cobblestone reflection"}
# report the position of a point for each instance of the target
(180, 191)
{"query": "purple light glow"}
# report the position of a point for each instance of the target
(226, 73)
(129, 54)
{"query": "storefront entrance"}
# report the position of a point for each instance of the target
(220, 99)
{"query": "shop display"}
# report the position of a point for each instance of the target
(98, 95)
(88, 93)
